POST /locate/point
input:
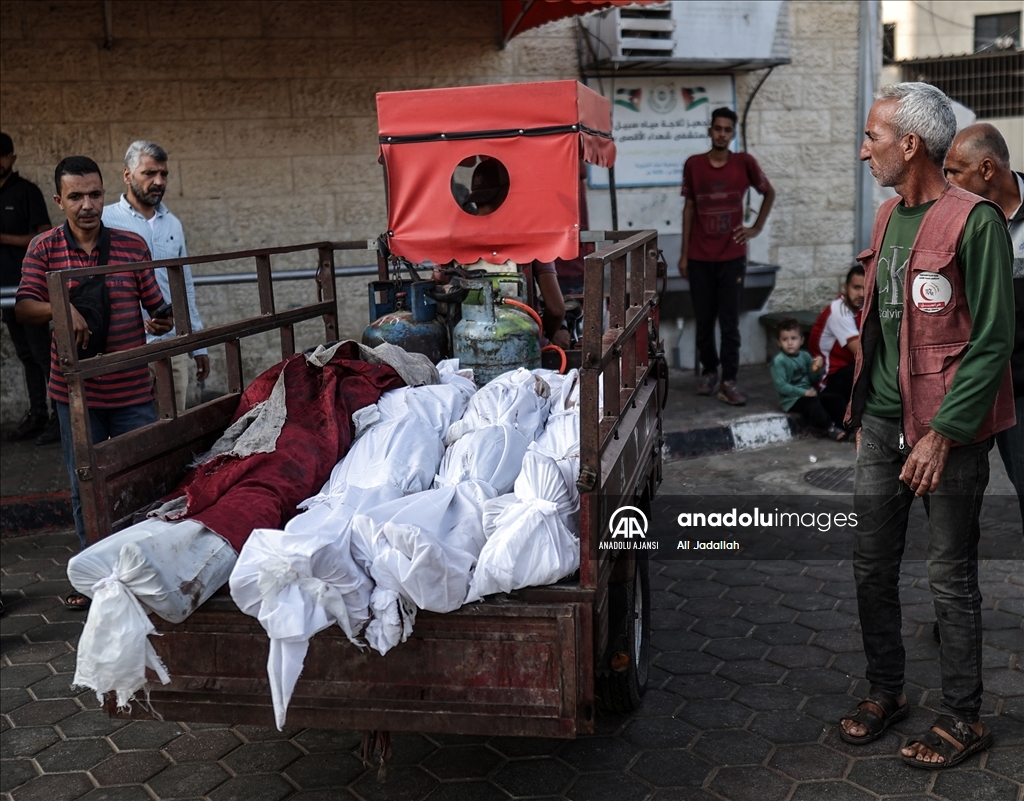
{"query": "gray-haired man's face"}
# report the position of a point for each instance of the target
(148, 181)
(881, 149)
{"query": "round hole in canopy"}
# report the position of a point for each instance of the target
(480, 185)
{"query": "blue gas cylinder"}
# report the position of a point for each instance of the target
(404, 315)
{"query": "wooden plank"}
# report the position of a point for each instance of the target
(149, 442)
(515, 665)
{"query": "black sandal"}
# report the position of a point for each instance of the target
(874, 723)
(966, 742)
(837, 434)
(77, 602)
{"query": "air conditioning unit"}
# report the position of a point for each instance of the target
(691, 34)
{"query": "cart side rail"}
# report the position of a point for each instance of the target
(620, 437)
(122, 475)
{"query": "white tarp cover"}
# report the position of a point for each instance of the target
(153, 566)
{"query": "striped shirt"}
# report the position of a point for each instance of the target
(57, 250)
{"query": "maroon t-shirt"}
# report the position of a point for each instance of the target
(718, 194)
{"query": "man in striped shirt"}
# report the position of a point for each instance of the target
(118, 402)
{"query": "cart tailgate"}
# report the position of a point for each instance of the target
(498, 667)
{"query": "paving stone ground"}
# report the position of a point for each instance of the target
(752, 664)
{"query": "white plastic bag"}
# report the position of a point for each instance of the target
(518, 398)
(400, 453)
(493, 454)
(114, 649)
(180, 565)
(430, 543)
(166, 568)
(531, 544)
(437, 405)
(297, 583)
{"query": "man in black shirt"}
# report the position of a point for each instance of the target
(23, 215)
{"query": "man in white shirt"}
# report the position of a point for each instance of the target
(835, 337)
(141, 211)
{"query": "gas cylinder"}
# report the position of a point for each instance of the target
(491, 338)
(406, 316)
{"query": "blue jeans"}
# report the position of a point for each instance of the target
(1011, 448)
(882, 503)
(105, 423)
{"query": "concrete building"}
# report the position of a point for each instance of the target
(972, 51)
(267, 112)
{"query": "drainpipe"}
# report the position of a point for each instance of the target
(108, 24)
(746, 109)
(869, 61)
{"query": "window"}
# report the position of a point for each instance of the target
(996, 32)
(991, 84)
(889, 43)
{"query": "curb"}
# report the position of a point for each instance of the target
(744, 434)
(31, 514)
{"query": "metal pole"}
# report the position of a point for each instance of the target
(611, 194)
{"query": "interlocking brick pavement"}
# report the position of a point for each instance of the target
(752, 664)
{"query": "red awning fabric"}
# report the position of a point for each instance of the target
(521, 15)
(538, 131)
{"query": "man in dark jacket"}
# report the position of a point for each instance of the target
(23, 215)
(931, 388)
(979, 162)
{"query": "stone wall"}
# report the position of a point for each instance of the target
(267, 111)
(803, 129)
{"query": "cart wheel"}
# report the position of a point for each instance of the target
(629, 628)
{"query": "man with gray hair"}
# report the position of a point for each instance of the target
(979, 162)
(931, 388)
(141, 211)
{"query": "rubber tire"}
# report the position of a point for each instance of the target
(623, 692)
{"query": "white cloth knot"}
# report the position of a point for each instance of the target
(274, 577)
(113, 578)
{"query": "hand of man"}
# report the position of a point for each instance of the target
(810, 393)
(684, 266)
(817, 363)
(923, 469)
(202, 367)
(81, 329)
(743, 235)
(561, 338)
(159, 325)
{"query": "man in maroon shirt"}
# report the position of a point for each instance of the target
(714, 253)
(118, 402)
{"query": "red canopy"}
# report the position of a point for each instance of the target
(538, 131)
(521, 15)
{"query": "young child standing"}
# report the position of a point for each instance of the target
(795, 373)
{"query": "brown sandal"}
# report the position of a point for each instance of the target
(870, 720)
(963, 742)
(76, 602)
